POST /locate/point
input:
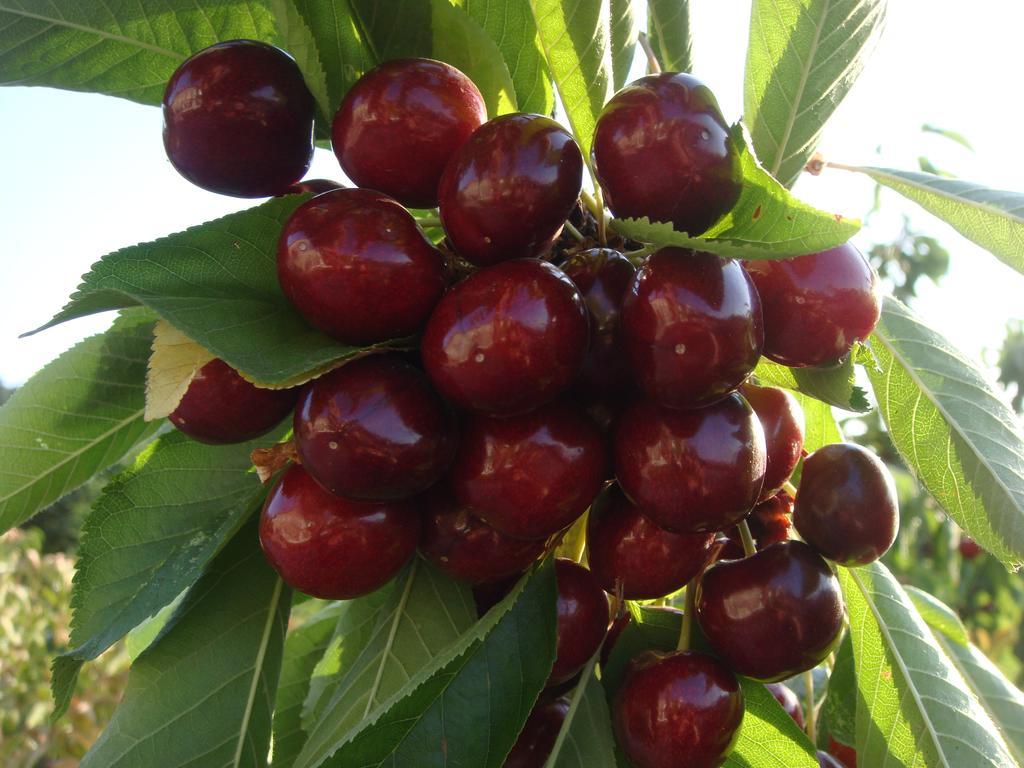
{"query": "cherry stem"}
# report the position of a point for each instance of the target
(429, 221)
(686, 629)
(638, 256)
(748, 540)
(573, 231)
(653, 65)
(789, 488)
(809, 705)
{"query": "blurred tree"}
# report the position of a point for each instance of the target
(1011, 364)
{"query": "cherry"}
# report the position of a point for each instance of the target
(782, 419)
(816, 306)
(238, 119)
(625, 548)
(508, 190)
(490, 593)
(316, 186)
(788, 700)
(769, 522)
(582, 619)
(507, 339)
(468, 549)
(846, 507)
(615, 630)
(537, 739)
(330, 547)
(398, 126)
(786, 591)
(603, 276)
(691, 471)
(221, 407)
(356, 266)
(969, 548)
(374, 429)
(691, 325)
(662, 150)
(678, 708)
(844, 754)
(825, 760)
(531, 476)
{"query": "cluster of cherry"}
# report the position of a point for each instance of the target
(615, 381)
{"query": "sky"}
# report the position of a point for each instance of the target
(84, 174)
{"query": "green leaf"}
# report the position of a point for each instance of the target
(149, 537)
(203, 693)
(425, 613)
(766, 223)
(802, 59)
(625, 29)
(840, 708)
(820, 425)
(575, 36)
(396, 29)
(938, 615)
(992, 218)
(668, 26)
(913, 706)
(836, 385)
(217, 283)
(960, 440)
(585, 740)
(460, 41)
(79, 415)
(511, 26)
(954, 136)
(467, 705)
(303, 648)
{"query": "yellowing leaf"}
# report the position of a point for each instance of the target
(175, 360)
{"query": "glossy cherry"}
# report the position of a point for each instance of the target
(582, 619)
(238, 119)
(220, 406)
(782, 419)
(603, 276)
(330, 547)
(816, 306)
(847, 507)
(676, 709)
(356, 266)
(373, 429)
(662, 150)
(847, 756)
(786, 591)
(788, 701)
(507, 339)
(626, 548)
(691, 326)
(508, 190)
(969, 548)
(537, 739)
(691, 471)
(315, 186)
(533, 475)
(825, 760)
(398, 126)
(465, 547)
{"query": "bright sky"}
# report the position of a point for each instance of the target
(84, 175)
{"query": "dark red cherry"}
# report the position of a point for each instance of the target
(356, 266)
(847, 756)
(220, 406)
(373, 429)
(847, 507)
(315, 186)
(465, 547)
(508, 190)
(816, 306)
(507, 339)
(691, 471)
(784, 591)
(691, 326)
(769, 522)
(969, 548)
(537, 739)
(490, 593)
(675, 709)
(615, 630)
(603, 276)
(238, 119)
(624, 547)
(533, 475)
(788, 701)
(582, 619)
(398, 126)
(330, 547)
(662, 150)
(825, 760)
(782, 419)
